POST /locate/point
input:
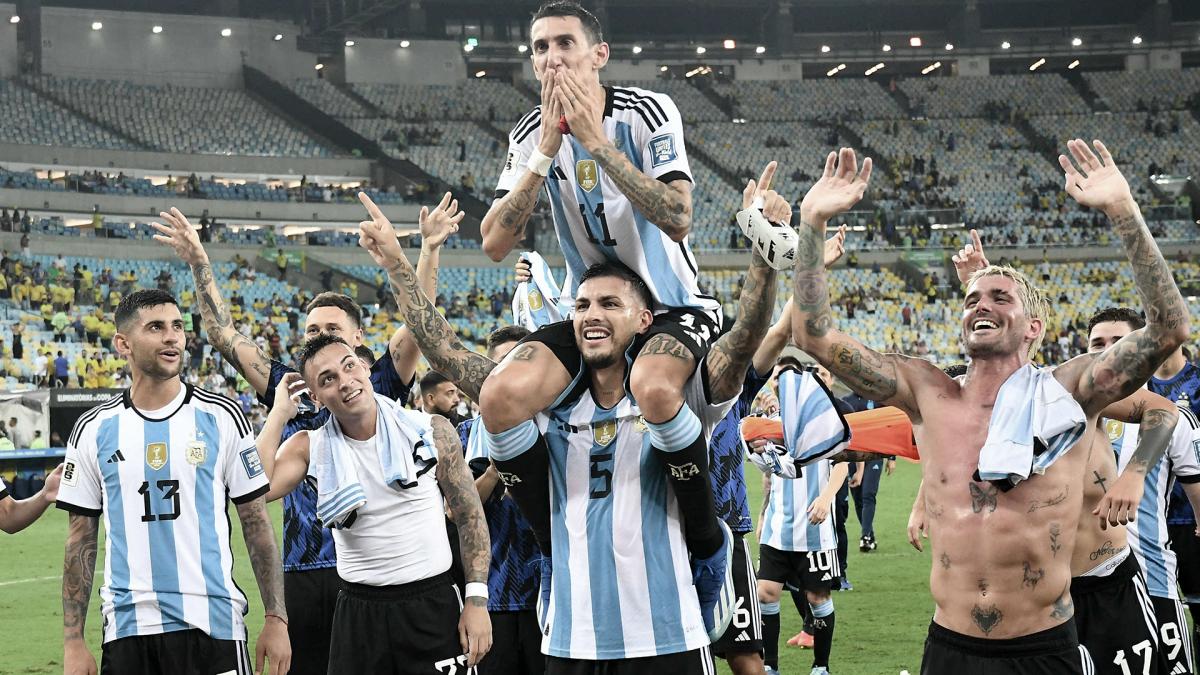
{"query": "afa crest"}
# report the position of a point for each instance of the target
(197, 452)
(604, 432)
(535, 299)
(639, 425)
(586, 174)
(1114, 428)
(156, 455)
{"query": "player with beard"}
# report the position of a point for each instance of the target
(440, 396)
(987, 544)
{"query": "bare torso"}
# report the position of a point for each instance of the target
(1001, 560)
(1093, 546)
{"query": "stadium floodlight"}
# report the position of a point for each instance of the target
(1005, 45)
(831, 72)
(522, 48)
(14, 19)
(730, 44)
(319, 66)
(480, 73)
(468, 47)
(637, 49)
(931, 67)
(760, 50)
(1075, 42)
(1073, 65)
(226, 32)
(278, 37)
(887, 47)
(914, 41)
(949, 47)
(874, 69)
(662, 69)
(349, 43)
(96, 25)
(825, 49)
(700, 50)
(404, 44)
(1037, 64)
(1137, 39)
(156, 30)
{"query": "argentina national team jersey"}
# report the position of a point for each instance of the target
(1148, 534)
(161, 481)
(594, 220)
(621, 585)
(785, 523)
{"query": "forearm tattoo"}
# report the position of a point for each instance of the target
(79, 569)
(731, 355)
(459, 489)
(264, 554)
(434, 335)
(513, 211)
(811, 281)
(1156, 431)
(218, 325)
(668, 208)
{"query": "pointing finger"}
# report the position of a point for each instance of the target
(768, 174)
(372, 209)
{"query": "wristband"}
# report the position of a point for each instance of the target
(476, 589)
(539, 164)
(269, 614)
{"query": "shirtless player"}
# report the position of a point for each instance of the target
(988, 618)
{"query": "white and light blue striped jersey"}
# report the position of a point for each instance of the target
(785, 523)
(813, 427)
(161, 480)
(1148, 536)
(621, 586)
(594, 220)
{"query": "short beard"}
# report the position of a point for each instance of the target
(600, 361)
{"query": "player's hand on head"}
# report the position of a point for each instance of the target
(970, 258)
(1093, 179)
(1119, 505)
(438, 223)
(291, 386)
(583, 107)
(551, 139)
(475, 632)
(179, 234)
(273, 648)
(835, 247)
(523, 270)
(841, 186)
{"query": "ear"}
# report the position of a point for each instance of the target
(121, 342)
(600, 56)
(645, 320)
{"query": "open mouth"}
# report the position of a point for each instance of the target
(983, 325)
(595, 335)
(169, 354)
(353, 395)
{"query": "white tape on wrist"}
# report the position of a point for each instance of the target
(539, 163)
(476, 589)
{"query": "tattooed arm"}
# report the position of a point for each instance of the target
(18, 514)
(503, 227)
(885, 378)
(667, 205)
(259, 534)
(433, 334)
(1158, 418)
(79, 569)
(245, 356)
(1097, 380)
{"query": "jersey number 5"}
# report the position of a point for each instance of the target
(170, 490)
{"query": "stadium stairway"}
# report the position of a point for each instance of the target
(878, 159)
(32, 83)
(358, 98)
(1084, 88)
(1041, 144)
(527, 91)
(717, 100)
(900, 98)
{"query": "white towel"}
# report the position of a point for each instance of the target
(774, 459)
(1034, 421)
(813, 427)
(404, 441)
(536, 302)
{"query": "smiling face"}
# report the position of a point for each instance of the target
(152, 341)
(608, 316)
(332, 321)
(561, 43)
(995, 320)
(338, 380)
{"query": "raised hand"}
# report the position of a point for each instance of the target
(970, 258)
(378, 236)
(291, 386)
(841, 186)
(755, 192)
(437, 225)
(835, 247)
(179, 234)
(1097, 182)
(551, 139)
(583, 106)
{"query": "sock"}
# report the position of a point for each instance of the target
(822, 632)
(803, 610)
(523, 460)
(770, 619)
(680, 444)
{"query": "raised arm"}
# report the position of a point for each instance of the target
(18, 514)
(79, 569)
(1098, 380)
(884, 378)
(273, 644)
(667, 205)
(286, 463)
(249, 360)
(454, 478)
(433, 334)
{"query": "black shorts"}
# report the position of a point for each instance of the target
(1055, 651)
(1187, 550)
(186, 652)
(812, 571)
(310, 597)
(1114, 619)
(1175, 654)
(744, 635)
(695, 662)
(695, 329)
(516, 645)
(411, 629)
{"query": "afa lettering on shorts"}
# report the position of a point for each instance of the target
(70, 476)
(684, 472)
(509, 479)
(662, 150)
(251, 462)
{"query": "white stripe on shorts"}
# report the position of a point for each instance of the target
(1181, 621)
(1085, 658)
(1148, 615)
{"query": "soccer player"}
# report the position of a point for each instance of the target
(614, 515)
(398, 611)
(18, 514)
(310, 575)
(614, 165)
(159, 463)
(439, 396)
(987, 617)
(1148, 534)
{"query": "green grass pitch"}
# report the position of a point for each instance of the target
(880, 627)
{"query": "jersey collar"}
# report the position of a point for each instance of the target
(175, 406)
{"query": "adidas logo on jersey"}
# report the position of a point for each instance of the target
(742, 637)
(117, 456)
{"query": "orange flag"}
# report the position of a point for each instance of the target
(884, 431)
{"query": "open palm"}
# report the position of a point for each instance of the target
(841, 186)
(1097, 182)
(439, 223)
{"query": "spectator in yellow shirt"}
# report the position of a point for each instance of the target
(107, 330)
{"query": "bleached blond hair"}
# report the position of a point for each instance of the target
(1033, 300)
